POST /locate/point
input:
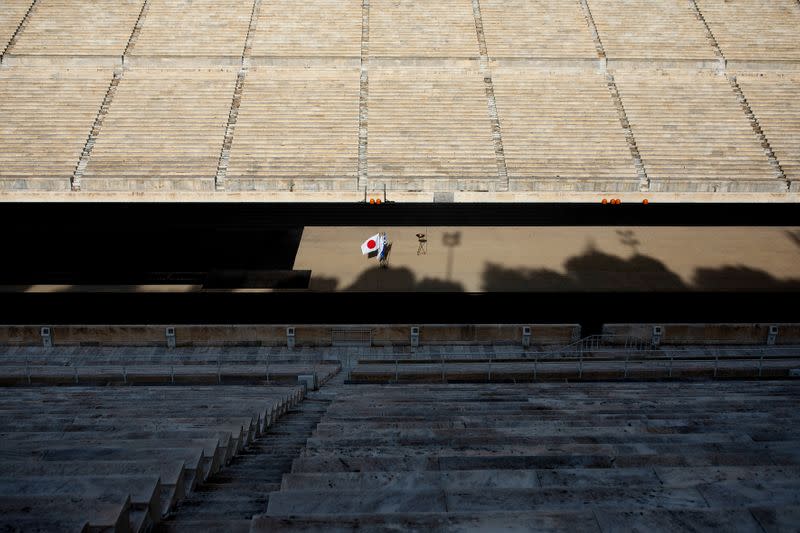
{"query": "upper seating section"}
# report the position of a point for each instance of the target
(561, 131)
(775, 101)
(11, 14)
(643, 29)
(46, 115)
(411, 28)
(429, 123)
(194, 28)
(537, 29)
(297, 128)
(754, 29)
(693, 134)
(515, 98)
(78, 28)
(163, 131)
(316, 28)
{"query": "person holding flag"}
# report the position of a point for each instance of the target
(383, 251)
(378, 245)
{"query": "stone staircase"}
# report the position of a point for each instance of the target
(121, 457)
(230, 499)
(98, 124)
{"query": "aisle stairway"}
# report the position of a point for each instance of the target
(229, 500)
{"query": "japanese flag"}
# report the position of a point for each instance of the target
(371, 244)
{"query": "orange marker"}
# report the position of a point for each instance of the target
(604, 202)
(645, 202)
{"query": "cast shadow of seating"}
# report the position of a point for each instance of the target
(400, 279)
(595, 270)
(731, 278)
(592, 270)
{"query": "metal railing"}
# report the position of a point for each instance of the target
(264, 368)
(582, 355)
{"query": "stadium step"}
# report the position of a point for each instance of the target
(656, 520)
(478, 456)
(242, 491)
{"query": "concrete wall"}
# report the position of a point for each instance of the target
(387, 335)
(276, 335)
(754, 334)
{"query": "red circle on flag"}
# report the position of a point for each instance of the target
(371, 244)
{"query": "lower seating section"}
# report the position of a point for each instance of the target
(427, 123)
(121, 457)
(561, 131)
(297, 129)
(79, 28)
(411, 28)
(601, 364)
(96, 365)
(11, 15)
(45, 118)
(693, 135)
(164, 131)
(668, 29)
(330, 28)
(561, 29)
(561, 457)
(194, 28)
(749, 30)
(773, 99)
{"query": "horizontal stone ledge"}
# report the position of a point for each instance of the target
(18, 195)
(285, 334)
